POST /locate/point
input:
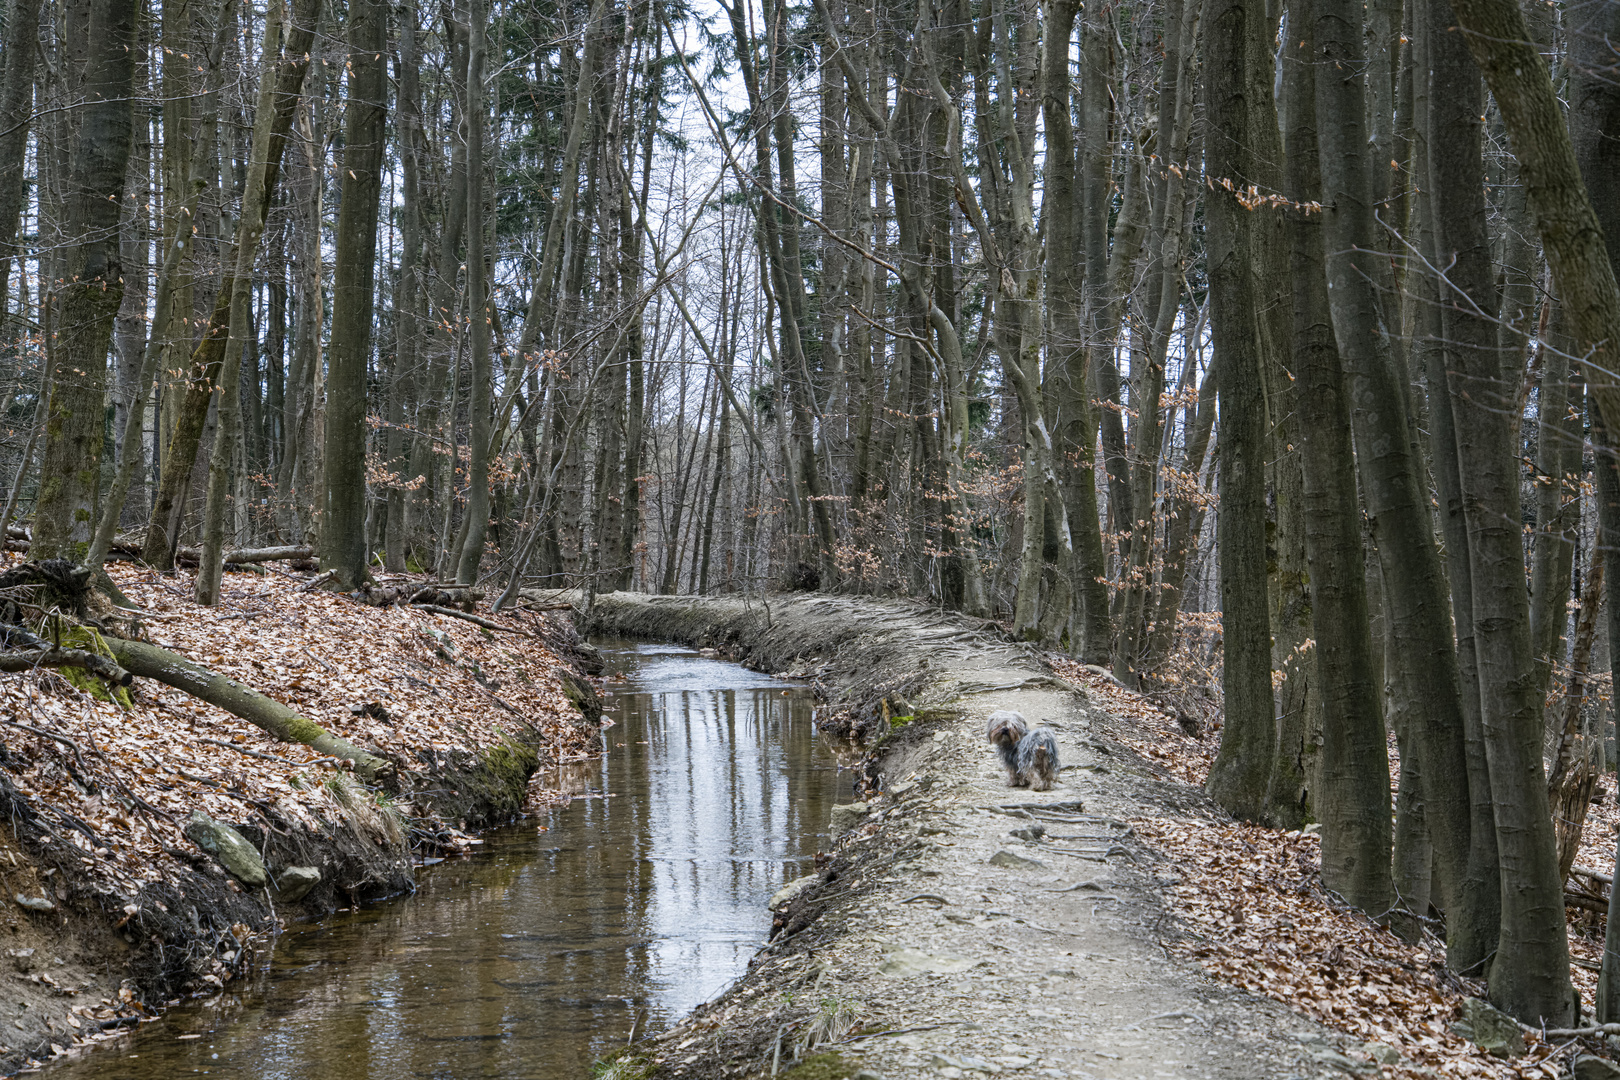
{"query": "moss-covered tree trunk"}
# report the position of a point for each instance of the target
(92, 289)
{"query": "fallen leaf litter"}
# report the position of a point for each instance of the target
(117, 784)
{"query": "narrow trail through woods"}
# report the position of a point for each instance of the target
(940, 939)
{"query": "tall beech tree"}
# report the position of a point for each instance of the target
(91, 288)
(343, 549)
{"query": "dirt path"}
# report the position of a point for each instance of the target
(936, 942)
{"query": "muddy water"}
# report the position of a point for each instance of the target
(536, 955)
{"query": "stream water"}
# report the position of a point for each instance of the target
(536, 955)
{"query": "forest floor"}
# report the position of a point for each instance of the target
(109, 912)
(1118, 926)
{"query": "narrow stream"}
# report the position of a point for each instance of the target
(536, 955)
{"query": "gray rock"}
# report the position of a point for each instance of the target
(294, 882)
(905, 962)
(1031, 833)
(847, 816)
(23, 960)
(1383, 1053)
(1589, 1067)
(228, 847)
(443, 643)
(1011, 860)
(787, 893)
(1490, 1029)
(1343, 1062)
(979, 1065)
(867, 1074)
(34, 903)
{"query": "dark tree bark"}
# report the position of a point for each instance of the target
(1529, 976)
(92, 289)
(16, 110)
(1239, 777)
(1594, 126)
(1353, 805)
(1425, 675)
(343, 505)
(480, 404)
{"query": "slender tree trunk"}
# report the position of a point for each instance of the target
(1353, 805)
(1594, 117)
(1238, 779)
(281, 87)
(343, 514)
(479, 404)
(1529, 976)
(1426, 678)
(16, 111)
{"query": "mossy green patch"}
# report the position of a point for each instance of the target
(89, 640)
(829, 1066)
(511, 763)
(304, 731)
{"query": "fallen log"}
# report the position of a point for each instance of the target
(478, 620)
(79, 658)
(1585, 900)
(268, 714)
(252, 555)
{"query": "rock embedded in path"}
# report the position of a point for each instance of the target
(1011, 860)
(294, 882)
(1490, 1029)
(34, 903)
(905, 962)
(228, 847)
(1344, 1063)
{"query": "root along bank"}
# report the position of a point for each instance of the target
(1117, 926)
(278, 756)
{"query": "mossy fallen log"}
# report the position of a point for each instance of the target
(58, 658)
(266, 713)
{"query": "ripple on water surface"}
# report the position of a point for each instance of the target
(534, 956)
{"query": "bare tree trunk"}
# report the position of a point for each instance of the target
(1529, 976)
(16, 111)
(1426, 676)
(92, 290)
(343, 517)
(1353, 805)
(281, 86)
(1239, 776)
(479, 403)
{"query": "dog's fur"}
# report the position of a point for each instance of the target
(1036, 760)
(1004, 730)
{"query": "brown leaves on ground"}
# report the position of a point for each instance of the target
(1250, 910)
(116, 784)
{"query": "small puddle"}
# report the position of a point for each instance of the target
(536, 955)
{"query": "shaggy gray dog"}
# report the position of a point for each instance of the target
(1036, 760)
(1004, 730)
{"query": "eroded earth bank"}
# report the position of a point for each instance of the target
(157, 841)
